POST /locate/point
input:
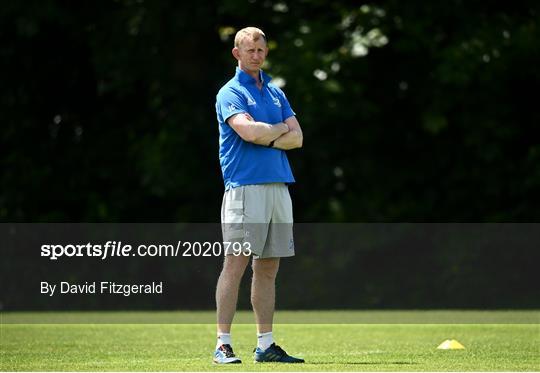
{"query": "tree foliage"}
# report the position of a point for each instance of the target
(410, 112)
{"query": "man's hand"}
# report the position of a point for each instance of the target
(249, 117)
(292, 139)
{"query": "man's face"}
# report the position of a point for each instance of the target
(251, 54)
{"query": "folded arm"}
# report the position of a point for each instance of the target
(259, 133)
(292, 139)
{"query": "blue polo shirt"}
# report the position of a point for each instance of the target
(242, 162)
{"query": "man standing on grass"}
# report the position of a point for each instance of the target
(256, 127)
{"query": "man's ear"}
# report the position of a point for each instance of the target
(236, 53)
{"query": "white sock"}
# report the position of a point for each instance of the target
(264, 340)
(223, 339)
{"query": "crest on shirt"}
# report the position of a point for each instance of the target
(251, 101)
(276, 102)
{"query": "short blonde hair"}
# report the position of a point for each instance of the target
(251, 33)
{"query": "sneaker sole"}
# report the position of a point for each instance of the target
(232, 362)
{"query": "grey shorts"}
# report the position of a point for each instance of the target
(259, 217)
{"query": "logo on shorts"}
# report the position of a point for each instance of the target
(291, 244)
(251, 101)
(231, 108)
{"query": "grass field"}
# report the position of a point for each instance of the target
(326, 347)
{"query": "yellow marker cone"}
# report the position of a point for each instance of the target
(451, 344)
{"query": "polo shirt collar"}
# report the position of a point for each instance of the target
(245, 78)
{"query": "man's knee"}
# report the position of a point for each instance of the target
(235, 265)
(267, 268)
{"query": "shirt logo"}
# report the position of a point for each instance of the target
(276, 102)
(231, 107)
(251, 101)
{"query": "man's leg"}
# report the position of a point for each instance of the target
(226, 298)
(227, 290)
(263, 297)
(263, 292)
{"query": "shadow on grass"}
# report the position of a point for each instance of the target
(362, 363)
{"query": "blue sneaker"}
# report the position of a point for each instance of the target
(225, 355)
(274, 354)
